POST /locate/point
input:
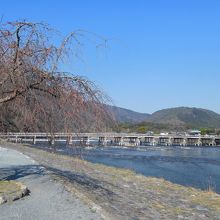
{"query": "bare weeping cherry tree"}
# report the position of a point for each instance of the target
(35, 95)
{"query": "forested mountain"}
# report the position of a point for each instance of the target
(125, 115)
(179, 117)
(196, 117)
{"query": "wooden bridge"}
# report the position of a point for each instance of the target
(114, 139)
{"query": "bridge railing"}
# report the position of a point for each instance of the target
(113, 137)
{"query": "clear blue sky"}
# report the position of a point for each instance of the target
(162, 53)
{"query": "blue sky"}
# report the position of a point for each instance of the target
(160, 53)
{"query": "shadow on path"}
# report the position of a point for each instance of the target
(16, 172)
(82, 180)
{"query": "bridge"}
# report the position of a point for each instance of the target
(112, 139)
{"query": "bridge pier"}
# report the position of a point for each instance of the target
(69, 140)
(164, 141)
(217, 141)
(85, 140)
(16, 139)
(34, 140)
(192, 141)
(119, 141)
(133, 141)
(155, 141)
(137, 141)
(102, 141)
(213, 142)
(178, 141)
(184, 142)
(170, 141)
(199, 142)
(148, 140)
(52, 141)
(207, 141)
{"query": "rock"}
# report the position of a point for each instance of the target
(23, 189)
(12, 191)
(2, 200)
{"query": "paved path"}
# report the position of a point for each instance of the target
(48, 199)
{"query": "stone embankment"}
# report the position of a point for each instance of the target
(122, 194)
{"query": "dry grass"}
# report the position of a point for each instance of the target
(209, 200)
(8, 187)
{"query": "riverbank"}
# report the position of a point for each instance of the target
(122, 194)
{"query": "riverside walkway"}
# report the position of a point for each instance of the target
(116, 193)
(116, 139)
(48, 200)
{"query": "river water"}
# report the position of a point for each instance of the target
(198, 167)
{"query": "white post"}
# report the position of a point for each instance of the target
(34, 140)
(69, 140)
(16, 139)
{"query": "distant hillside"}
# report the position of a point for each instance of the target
(125, 115)
(177, 117)
(195, 117)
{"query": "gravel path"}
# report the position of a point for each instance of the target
(47, 200)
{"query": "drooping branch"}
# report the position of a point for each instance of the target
(33, 87)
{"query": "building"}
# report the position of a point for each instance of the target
(194, 132)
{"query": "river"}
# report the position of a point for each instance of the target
(198, 167)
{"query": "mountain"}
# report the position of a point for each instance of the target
(177, 117)
(125, 115)
(196, 117)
